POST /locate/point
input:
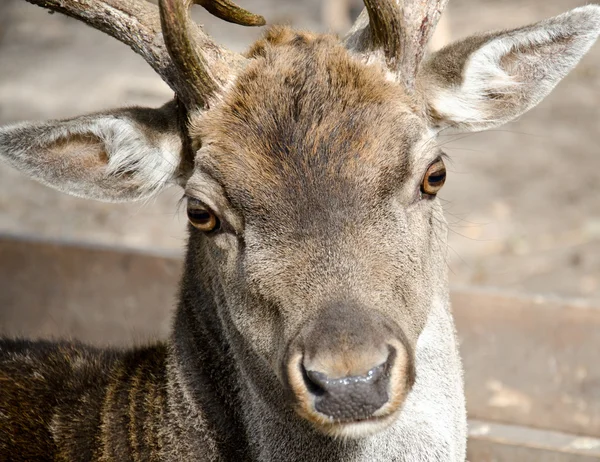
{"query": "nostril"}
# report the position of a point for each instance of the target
(352, 397)
(316, 382)
(375, 374)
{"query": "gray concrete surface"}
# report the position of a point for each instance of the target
(523, 201)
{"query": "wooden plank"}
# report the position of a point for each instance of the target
(491, 442)
(96, 295)
(530, 361)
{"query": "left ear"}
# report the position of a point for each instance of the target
(123, 155)
(487, 80)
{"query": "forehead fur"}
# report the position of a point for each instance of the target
(307, 121)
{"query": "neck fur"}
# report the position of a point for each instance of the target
(243, 400)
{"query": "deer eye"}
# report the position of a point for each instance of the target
(434, 179)
(201, 216)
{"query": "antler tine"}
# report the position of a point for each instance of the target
(401, 28)
(203, 65)
(229, 11)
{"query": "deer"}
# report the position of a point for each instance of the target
(313, 320)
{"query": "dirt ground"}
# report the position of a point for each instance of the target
(523, 201)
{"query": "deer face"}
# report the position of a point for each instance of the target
(314, 164)
(311, 171)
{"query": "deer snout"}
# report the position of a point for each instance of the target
(349, 371)
(351, 397)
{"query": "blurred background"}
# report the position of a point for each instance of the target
(522, 202)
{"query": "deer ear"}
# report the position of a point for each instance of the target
(123, 155)
(487, 80)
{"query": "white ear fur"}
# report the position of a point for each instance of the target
(485, 81)
(152, 162)
(124, 155)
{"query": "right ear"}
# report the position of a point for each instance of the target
(128, 154)
(487, 80)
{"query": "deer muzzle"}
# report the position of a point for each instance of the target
(349, 371)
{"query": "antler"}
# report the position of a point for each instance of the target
(181, 53)
(203, 65)
(400, 28)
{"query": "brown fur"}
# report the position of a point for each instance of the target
(309, 149)
(329, 262)
(265, 152)
(71, 402)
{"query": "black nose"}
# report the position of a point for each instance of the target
(349, 398)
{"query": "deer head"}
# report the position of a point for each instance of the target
(311, 171)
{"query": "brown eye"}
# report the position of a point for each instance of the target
(434, 179)
(201, 216)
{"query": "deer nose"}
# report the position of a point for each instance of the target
(350, 398)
